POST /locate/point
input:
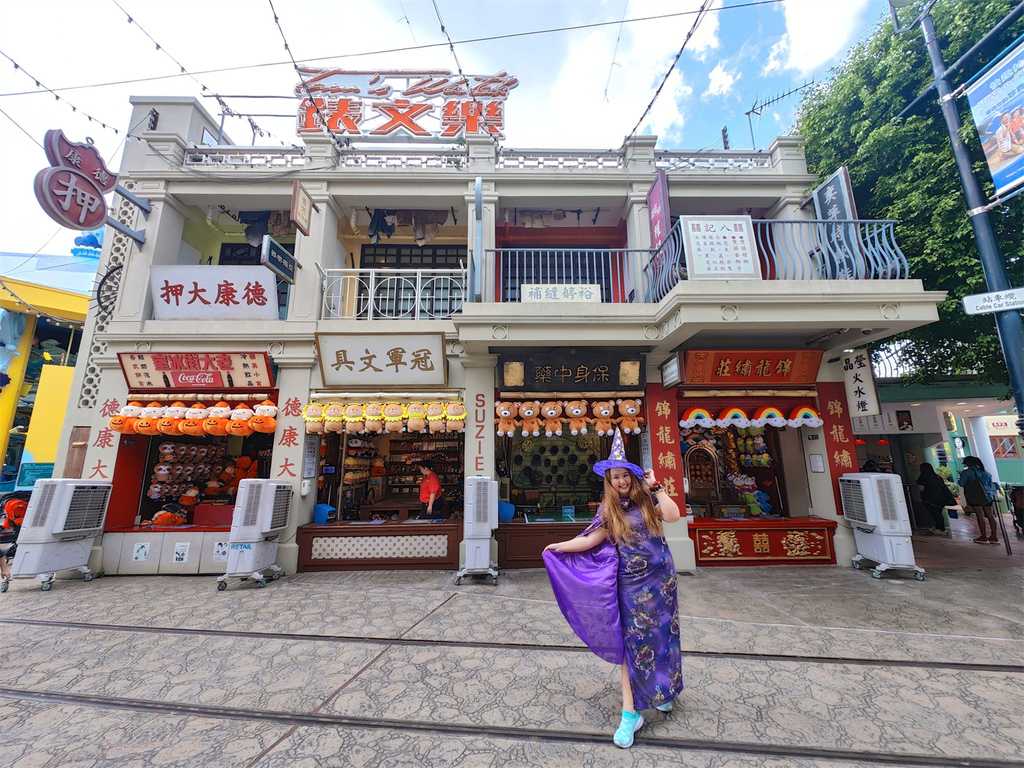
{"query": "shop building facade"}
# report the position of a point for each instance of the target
(452, 279)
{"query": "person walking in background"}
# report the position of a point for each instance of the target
(934, 495)
(619, 592)
(979, 493)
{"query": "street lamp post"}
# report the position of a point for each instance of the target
(1008, 323)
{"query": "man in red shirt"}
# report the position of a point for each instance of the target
(430, 489)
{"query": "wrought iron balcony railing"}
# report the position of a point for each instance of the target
(611, 275)
(391, 294)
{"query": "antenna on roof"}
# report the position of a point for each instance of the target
(757, 109)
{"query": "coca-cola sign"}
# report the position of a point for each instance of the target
(157, 371)
(205, 379)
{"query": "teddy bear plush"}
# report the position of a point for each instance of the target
(416, 417)
(529, 412)
(373, 418)
(166, 452)
(162, 472)
(630, 419)
(394, 417)
(551, 415)
(238, 425)
(506, 421)
(353, 415)
(435, 418)
(455, 417)
(313, 416)
(604, 421)
(334, 418)
(576, 410)
(216, 423)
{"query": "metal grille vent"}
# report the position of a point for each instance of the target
(852, 495)
(87, 507)
(41, 508)
(889, 502)
(481, 493)
(250, 512)
(282, 502)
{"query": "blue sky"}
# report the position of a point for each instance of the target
(583, 88)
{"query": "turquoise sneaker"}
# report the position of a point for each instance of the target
(666, 707)
(631, 723)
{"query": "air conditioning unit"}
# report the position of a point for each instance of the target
(876, 507)
(262, 511)
(480, 517)
(62, 519)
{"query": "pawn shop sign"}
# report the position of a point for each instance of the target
(71, 191)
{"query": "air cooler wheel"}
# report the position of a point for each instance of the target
(918, 575)
(89, 577)
(46, 586)
(221, 586)
(856, 565)
(876, 574)
(4, 585)
(276, 576)
(261, 584)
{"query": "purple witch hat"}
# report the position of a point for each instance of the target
(617, 458)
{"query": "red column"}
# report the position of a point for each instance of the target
(841, 453)
(663, 422)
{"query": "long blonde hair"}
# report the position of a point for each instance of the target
(614, 517)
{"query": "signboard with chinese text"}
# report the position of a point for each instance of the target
(572, 369)
(840, 450)
(302, 208)
(833, 198)
(663, 426)
(402, 105)
(997, 301)
(71, 191)
(996, 98)
(791, 367)
(198, 292)
(720, 248)
(560, 292)
(278, 260)
(859, 378)
(658, 209)
(196, 370)
(382, 360)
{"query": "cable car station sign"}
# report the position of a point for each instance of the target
(402, 106)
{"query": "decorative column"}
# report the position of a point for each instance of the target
(663, 424)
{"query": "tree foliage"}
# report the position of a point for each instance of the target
(903, 169)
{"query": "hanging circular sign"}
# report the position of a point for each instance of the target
(70, 198)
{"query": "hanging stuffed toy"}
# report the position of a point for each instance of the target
(149, 419)
(192, 424)
(125, 420)
(265, 418)
(238, 426)
(216, 423)
(174, 414)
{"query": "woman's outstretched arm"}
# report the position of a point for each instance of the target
(580, 543)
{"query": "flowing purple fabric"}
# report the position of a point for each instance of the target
(646, 620)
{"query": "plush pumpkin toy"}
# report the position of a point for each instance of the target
(190, 497)
(149, 420)
(238, 426)
(394, 417)
(192, 424)
(529, 413)
(604, 419)
(265, 417)
(454, 417)
(576, 410)
(551, 416)
(213, 487)
(216, 423)
(125, 420)
(506, 421)
(416, 417)
(373, 418)
(174, 414)
(629, 416)
(354, 419)
(334, 418)
(313, 416)
(435, 418)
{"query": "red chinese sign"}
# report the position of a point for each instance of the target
(71, 191)
(841, 451)
(196, 370)
(752, 366)
(663, 423)
(402, 105)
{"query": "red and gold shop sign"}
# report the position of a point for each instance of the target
(71, 190)
(663, 422)
(752, 366)
(840, 449)
(196, 370)
(752, 543)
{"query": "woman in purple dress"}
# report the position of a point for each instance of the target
(643, 609)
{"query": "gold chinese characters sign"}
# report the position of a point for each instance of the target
(382, 360)
(752, 544)
(570, 369)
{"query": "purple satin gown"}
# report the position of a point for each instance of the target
(645, 627)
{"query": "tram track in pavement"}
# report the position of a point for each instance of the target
(465, 730)
(396, 641)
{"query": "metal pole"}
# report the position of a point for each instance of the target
(1008, 324)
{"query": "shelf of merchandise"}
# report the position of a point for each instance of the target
(404, 479)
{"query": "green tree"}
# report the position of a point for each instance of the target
(903, 169)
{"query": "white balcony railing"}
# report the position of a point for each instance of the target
(391, 294)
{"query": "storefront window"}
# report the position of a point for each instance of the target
(1005, 447)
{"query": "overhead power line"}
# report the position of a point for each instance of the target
(426, 46)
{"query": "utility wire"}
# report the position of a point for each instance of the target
(21, 69)
(468, 41)
(696, 23)
(22, 129)
(405, 16)
(611, 67)
(323, 120)
(224, 107)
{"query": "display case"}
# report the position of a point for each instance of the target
(405, 451)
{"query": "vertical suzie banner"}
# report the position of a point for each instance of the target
(663, 423)
(859, 378)
(997, 103)
(840, 449)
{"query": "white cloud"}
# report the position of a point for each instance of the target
(720, 82)
(816, 33)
